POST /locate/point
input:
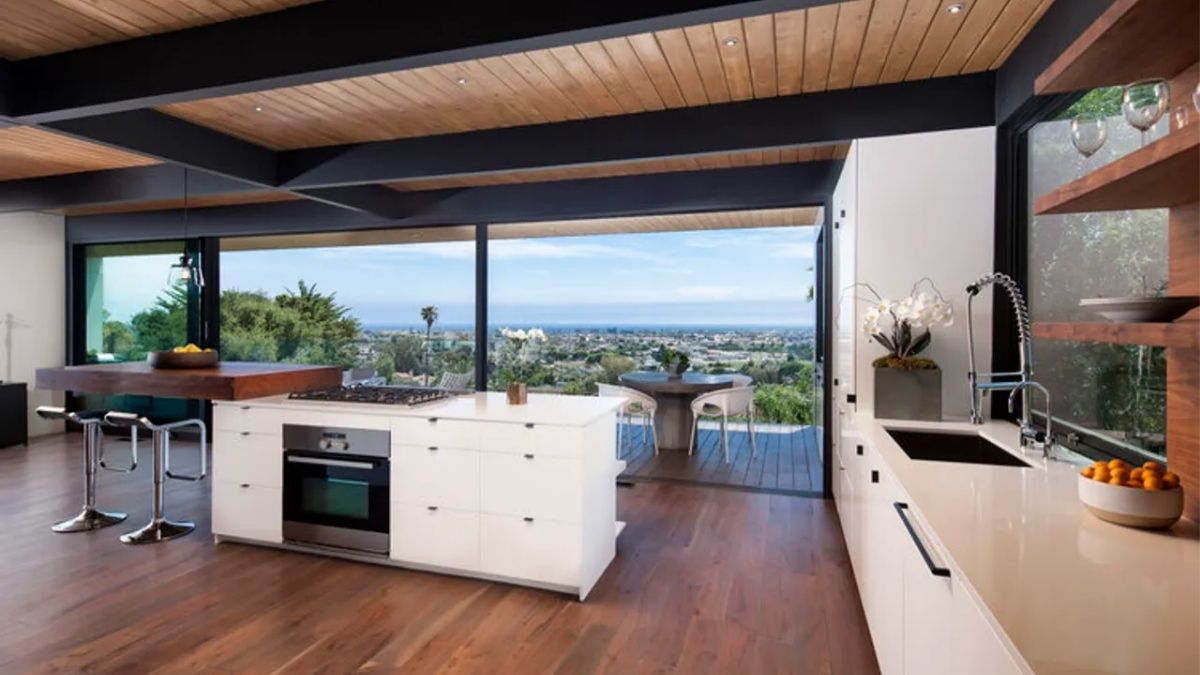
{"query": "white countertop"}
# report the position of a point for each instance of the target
(549, 409)
(1076, 595)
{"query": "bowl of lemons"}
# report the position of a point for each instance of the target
(1146, 496)
(188, 356)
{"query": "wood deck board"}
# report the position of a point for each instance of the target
(705, 580)
(787, 461)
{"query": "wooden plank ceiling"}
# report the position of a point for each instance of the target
(849, 44)
(675, 222)
(26, 152)
(39, 27)
(727, 160)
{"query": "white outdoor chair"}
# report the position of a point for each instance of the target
(454, 380)
(636, 404)
(740, 380)
(724, 403)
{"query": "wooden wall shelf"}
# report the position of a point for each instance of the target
(1165, 173)
(1131, 40)
(1182, 334)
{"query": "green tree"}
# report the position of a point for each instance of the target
(614, 366)
(384, 366)
(429, 314)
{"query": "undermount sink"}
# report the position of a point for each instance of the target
(951, 446)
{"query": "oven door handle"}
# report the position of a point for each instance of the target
(331, 462)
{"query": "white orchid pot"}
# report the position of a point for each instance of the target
(908, 394)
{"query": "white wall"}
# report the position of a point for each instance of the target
(32, 309)
(926, 207)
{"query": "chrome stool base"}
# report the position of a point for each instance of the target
(89, 519)
(158, 530)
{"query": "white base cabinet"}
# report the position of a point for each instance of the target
(922, 621)
(528, 503)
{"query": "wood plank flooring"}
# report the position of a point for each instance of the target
(705, 581)
(788, 460)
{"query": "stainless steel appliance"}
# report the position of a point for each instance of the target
(336, 484)
(362, 393)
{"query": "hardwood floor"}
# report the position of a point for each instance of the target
(788, 460)
(705, 581)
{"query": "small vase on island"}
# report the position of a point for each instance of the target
(518, 393)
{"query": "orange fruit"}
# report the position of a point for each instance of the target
(1116, 464)
(1171, 480)
(1101, 474)
(1120, 473)
(1153, 466)
(1153, 484)
(1133, 483)
(1089, 472)
(1136, 474)
(1116, 480)
(1099, 464)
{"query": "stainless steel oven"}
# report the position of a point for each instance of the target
(336, 486)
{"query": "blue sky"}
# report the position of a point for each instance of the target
(725, 277)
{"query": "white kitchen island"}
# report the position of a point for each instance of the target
(521, 494)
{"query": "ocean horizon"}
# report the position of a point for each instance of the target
(575, 328)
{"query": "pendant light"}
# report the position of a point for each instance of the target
(186, 270)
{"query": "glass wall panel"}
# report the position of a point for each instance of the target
(1115, 391)
(394, 307)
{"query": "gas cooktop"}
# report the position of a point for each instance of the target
(408, 396)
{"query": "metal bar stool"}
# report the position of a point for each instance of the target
(159, 528)
(90, 518)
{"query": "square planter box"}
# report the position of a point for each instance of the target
(908, 394)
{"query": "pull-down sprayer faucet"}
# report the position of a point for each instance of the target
(1029, 433)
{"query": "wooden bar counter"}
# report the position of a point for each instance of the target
(228, 381)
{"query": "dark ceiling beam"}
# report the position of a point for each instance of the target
(6, 96)
(113, 186)
(804, 184)
(828, 117)
(356, 37)
(1062, 23)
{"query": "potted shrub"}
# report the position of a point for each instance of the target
(907, 385)
(673, 362)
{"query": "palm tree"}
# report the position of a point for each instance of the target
(429, 314)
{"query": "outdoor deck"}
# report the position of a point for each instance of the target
(788, 461)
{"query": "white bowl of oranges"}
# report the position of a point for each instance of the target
(1148, 496)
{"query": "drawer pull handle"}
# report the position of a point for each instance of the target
(528, 519)
(433, 420)
(431, 508)
(529, 455)
(433, 448)
(245, 433)
(529, 425)
(245, 407)
(902, 509)
(244, 485)
(860, 449)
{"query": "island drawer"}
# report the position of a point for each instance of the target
(243, 457)
(540, 439)
(247, 511)
(243, 418)
(435, 535)
(530, 485)
(447, 477)
(435, 432)
(536, 549)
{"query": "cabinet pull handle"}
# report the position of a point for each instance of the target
(528, 519)
(431, 508)
(529, 425)
(244, 485)
(433, 420)
(244, 407)
(529, 455)
(245, 433)
(433, 448)
(859, 449)
(874, 476)
(902, 509)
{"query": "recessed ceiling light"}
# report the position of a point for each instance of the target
(461, 80)
(730, 41)
(258, 108)
(955, 8)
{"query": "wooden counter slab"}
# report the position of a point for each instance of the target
(228, 381)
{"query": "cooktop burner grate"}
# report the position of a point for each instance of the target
(372, 394)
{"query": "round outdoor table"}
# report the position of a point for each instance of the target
(673, 420)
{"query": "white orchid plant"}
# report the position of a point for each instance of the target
(520, 358)
(903, 326)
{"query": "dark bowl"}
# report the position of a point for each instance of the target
(182, 359)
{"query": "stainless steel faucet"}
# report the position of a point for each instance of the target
(1024, 377)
